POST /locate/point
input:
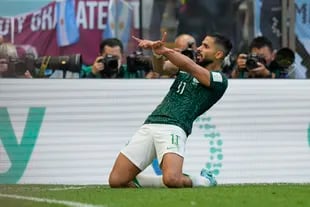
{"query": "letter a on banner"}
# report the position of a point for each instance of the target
(66, 26)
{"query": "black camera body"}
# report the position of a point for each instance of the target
(189, 51)
(110, 63)
(137, 61)
(252, 59)
(18, 66)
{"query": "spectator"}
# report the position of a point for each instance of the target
(109, 62)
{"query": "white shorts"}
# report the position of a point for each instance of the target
(153, 141)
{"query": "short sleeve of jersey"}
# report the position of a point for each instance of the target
(217, 80)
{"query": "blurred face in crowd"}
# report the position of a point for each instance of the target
(209, 52)
(182, 42)
(264, 52)
(115, 51)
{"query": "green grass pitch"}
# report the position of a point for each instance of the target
(273, 195)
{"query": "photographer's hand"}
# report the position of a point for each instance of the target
(261, 71)
(241, 61)
(97, 66)
(240, 66)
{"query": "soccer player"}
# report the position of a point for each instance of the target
(197, 87)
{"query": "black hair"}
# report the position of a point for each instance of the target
(111, 42)
(260, 42)
(222, 41)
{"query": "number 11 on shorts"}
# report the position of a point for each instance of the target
(175, 139)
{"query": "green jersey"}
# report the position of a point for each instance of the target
(187, 99)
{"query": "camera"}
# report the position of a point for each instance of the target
(110, 63)
(284, 58)
(138, 62)
(189, 51)
(252, 60)
(18, 66)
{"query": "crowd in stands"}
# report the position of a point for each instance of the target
(261, 61)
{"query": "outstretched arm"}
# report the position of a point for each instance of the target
(183, 62)
(158, 61)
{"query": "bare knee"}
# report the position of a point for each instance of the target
(173, 180)
(115, 181)
(123, 172)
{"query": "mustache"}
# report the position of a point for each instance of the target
(202, 61)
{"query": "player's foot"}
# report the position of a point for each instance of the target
(209, 176)
(136, 183)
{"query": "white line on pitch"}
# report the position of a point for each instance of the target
(46, 200)
(66, 188)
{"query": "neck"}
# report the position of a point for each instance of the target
(214, 66)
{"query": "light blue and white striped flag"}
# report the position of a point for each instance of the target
(119, 21)
(302, 25)
(66, 27)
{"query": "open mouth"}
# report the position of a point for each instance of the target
(198, 57)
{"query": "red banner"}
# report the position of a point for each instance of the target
(37, 30)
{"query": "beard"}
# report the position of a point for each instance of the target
(204, 62)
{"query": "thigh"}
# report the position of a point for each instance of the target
(169, 139)
(141, 150)
(172, 164)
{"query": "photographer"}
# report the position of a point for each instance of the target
(8, 53)
(256, 64)
(109, 62)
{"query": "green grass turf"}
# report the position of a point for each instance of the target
(290, 195)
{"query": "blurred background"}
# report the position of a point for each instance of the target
(285, 22)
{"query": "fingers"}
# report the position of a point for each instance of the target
(157, 44)
(164, 37)
(137, 39)
(242, 56)
(148, 44)
(259, 68)
(260, 64)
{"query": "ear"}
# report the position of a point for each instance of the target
(219, 54)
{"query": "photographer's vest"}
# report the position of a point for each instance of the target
(187, 99)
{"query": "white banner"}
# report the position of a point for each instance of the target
(70, 131)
